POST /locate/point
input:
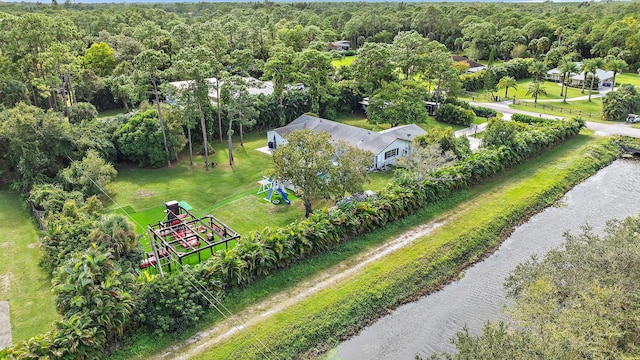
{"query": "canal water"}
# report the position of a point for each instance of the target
(426, 326)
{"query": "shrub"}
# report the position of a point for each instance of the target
(89, 175)
(454, 114)
(617, 104)
(169, 304)
(82, 111)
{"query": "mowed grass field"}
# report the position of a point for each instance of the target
(588, 110)
(226, 192)
(360, 120)
(23, 283)
(552, 89)
(628, 78)
(343, 61)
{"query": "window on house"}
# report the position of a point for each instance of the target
(391, 153)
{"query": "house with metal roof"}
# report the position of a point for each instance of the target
(386, 146)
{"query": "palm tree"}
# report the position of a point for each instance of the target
(535, 89)
(617, 66)
(593, 65)
(537, 69)
(566, 67)
(507, 82)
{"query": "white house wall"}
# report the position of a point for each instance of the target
(279, 139)
(404, 148)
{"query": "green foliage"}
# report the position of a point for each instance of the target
(590, 280)
(169, 304)
(100, 58)
(92, 285)
(500, 132)
(88, 176)
(617, 104)
(82, 111)
(51, 197)
(140, 140)
(318, 167)
(446, 140)
(35, 144)
(397, 104)
(12, 92)
(454, 114)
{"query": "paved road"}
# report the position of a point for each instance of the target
(600, 128)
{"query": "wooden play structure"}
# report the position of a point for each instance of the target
(182, 234)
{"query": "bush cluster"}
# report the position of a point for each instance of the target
(454, 114)
(516, 68)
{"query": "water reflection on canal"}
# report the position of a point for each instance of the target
(427, 325)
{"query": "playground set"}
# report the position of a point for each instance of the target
(269, 185)
(182, 234)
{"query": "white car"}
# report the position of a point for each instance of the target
(633, 118)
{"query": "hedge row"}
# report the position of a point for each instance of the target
(516, 68)
(478, 110)
(527, 119)
(341, 313)
(261, 253)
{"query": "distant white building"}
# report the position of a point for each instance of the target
(341, 45)
(386, 146)
(604, 77)
(255, 87)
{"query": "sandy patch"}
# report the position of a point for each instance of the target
(33, 245)
(146, 194)
(5, 282)
(4, 244)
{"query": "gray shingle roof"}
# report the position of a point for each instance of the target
(361, 138)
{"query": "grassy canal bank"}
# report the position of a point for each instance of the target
(475, 222)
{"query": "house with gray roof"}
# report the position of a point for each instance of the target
(386, 146)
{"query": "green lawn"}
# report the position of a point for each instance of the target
(360, 120)
(228, 193)
(111, 112)
(552, 88)
(584, 108)
(344, 61)
(22, 283)
(628, 78)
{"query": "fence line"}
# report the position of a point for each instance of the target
(39, 215)
(545, 106)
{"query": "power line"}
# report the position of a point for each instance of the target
(241, 327)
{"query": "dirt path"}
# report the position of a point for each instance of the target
(281, 301)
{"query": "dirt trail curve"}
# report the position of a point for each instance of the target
(281, 301)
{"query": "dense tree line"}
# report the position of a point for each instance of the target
(89, 51)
